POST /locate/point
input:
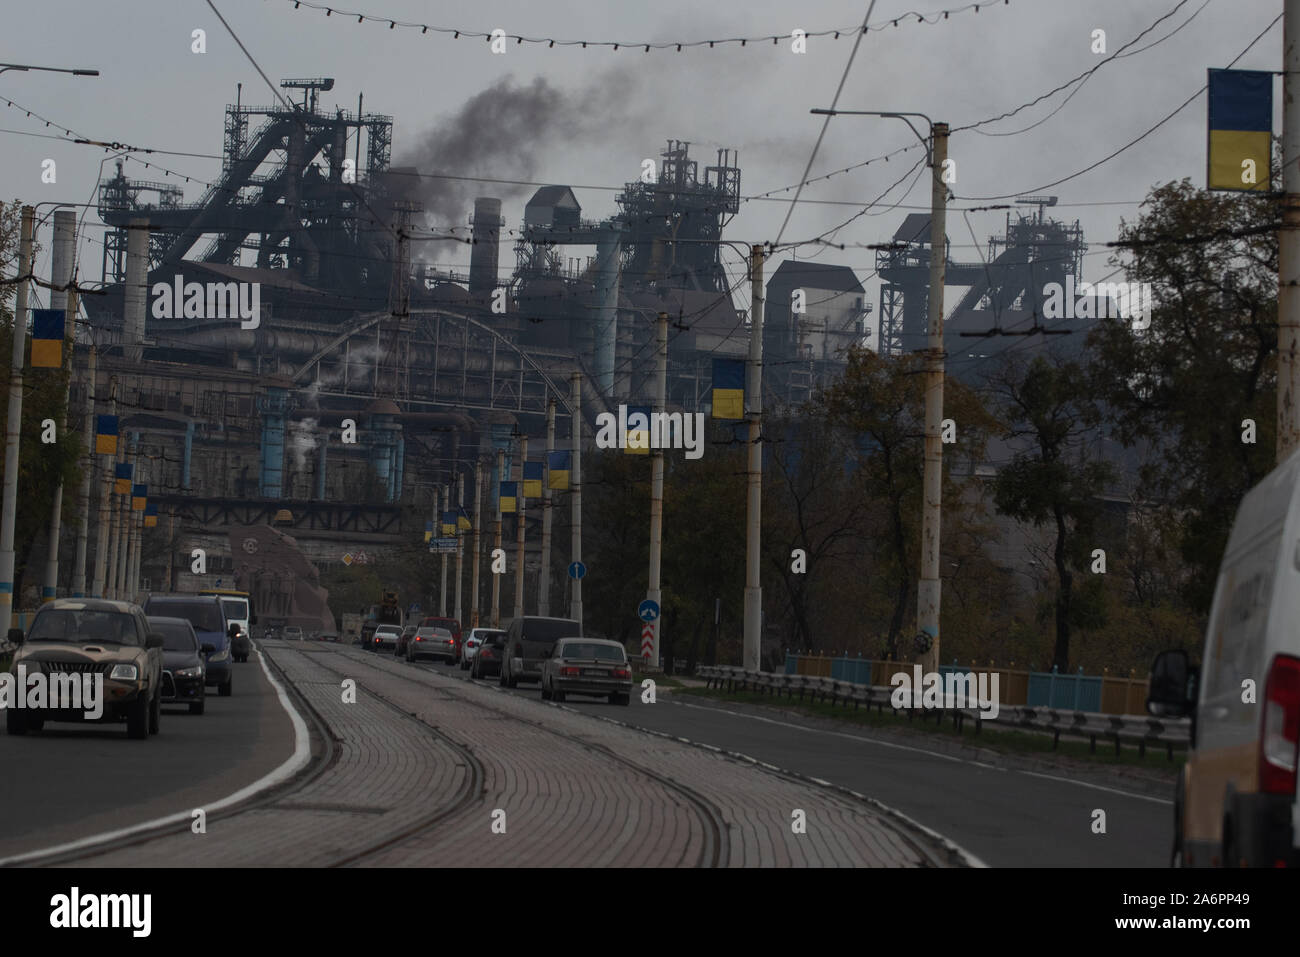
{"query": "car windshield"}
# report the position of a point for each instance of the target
(203, 615)
(84, 625)
(583, 649)
(236, 609)
(175, 637)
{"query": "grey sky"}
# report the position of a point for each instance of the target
(155, 92)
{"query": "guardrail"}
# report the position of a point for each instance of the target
(1142, 731)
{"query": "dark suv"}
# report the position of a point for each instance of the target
(87, 639)
(529, 639)
(207, 616)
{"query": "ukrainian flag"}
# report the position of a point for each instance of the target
(150, 515)
(728, 389)
(428, 531)
(532, 480)
(448, 524)
(1240, 130)
(462, 520)
(106, 434)
(558, 467)
(139, 497)
(122, 478)
(638, 439)
(47, 338)
(509, 496)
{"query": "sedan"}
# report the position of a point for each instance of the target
(184, 663)
(588, 666)
(386, 636)
(487, 660)
(476, 638)
(431, 641)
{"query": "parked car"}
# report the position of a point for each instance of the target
(589, 666)
(472, 643)
(87, 636)
(451, 624)
(487, 660)
(326, 636)
(1235, 801)
(385, 636)
(429, 641)
(292, 633)
(204, 612)
(184, 664)
(407, 634)
(529, 639)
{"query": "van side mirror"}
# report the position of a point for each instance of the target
(15, 636)
(1172, 693)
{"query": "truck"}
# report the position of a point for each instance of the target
(351, 628)
(387, 612)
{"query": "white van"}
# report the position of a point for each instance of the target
(1235, 802)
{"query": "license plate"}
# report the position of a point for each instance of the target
(600, 672)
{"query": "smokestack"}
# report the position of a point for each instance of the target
(136, 288)
(65, 232)
(487, 240)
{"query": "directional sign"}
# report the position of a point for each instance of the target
(577, 570)
(648, 610)
(647, 641)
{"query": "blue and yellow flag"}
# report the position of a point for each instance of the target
(532, 480)
(448, 524)
(47, 338)
(122, 478)
(150, 515)
(428, 531)
(106, 434)
(558, 467)
(1240, 130)
(462, 520)
(728, 388)
(139, 497)
(509, 496)
(638, 430)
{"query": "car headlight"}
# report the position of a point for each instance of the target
(221, 655)
(125, 672)
(189, 672)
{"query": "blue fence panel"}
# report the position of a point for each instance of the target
(1068, 692)
(789, 663)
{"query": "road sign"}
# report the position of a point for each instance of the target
(648, 610)
(647, 641)
(577, 570)
(443, 546)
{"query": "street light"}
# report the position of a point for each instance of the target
(25, 68)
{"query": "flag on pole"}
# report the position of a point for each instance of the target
(1240, 130)
(638, 430)
(448, 524)
(139, 497)
(106, 434)
(462, 520)
(532, 480)
(122, 478)
(509, 496)
(558, 468)
(728, 388)
(150, 515)
(47, 338)
(428, 531)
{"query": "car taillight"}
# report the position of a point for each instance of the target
(622, 673)
(570, 671)
(487, 652)
(1280, 730)
(418, 638)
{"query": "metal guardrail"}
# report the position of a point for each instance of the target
(1143, 731)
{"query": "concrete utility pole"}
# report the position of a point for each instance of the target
(1288, 241)
(102, 547)
(442, 591)
(115, 514)
(124, 521)
(754, 468)
(496, 542)
(575, 495)
(544, 579)
(9, 510)
(460, 547)
(519, 528)
(62, 262)
(927, 593)
(655, 592)
(478, 553)
(87, 479)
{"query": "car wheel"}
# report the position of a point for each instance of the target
(137, 718)
(546, 692)
(155, 713)
(557, 696)
(228, 688)
(196, 707)
(15, 721)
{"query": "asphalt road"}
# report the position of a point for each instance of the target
(71, 780)
(1007, 817)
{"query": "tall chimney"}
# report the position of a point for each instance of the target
(487, 243)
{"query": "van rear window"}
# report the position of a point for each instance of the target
(550, 630)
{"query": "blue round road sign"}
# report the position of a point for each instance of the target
(648, 610)
(577, 570)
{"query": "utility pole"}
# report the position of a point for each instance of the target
(496, 542)
(1288, 241)
(115, 512)
(519, 529)
(102, 547)
(15, 423)
(927, 594)
(544, 579)
(62, 259)
(478, 553)
(460, 547)
(87, 479)
(442, 591)
(171, 548)
(575, 494)
(125, 523)
(754, 468)
(655, 592)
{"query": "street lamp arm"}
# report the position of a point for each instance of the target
(928, 143)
